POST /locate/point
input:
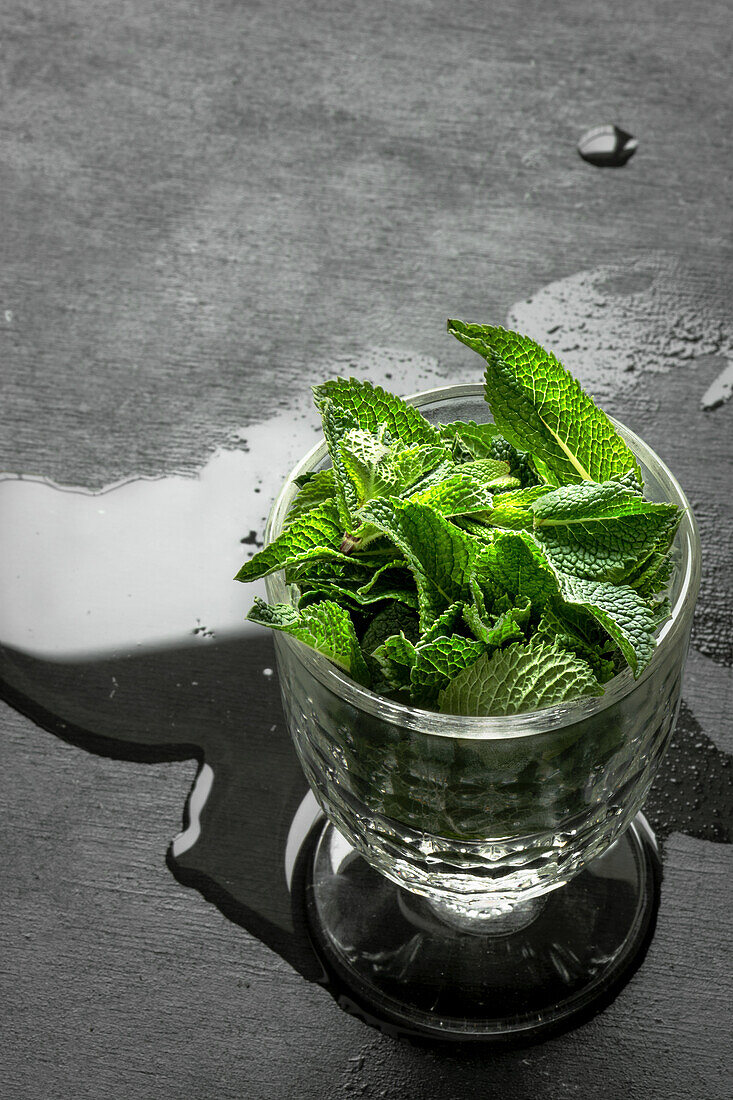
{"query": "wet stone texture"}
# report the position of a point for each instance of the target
(198, 224)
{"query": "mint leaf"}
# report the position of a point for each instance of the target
(336, 424)
(480, 531)
(352, 580)
(437, 553)
(394, 658)
(651, 575)
(392, 581)
(463, 493)
(325, 627)
(475, 440)
(519, 461)
(516, 562)
(445, 623)
(577, 630)
(437, 662)
(539, 407)
(316, 534)
(370, 406)
(317, 489)
(514, 510)
(621, 611)
(497, 631)
(593, 502)
(524, 676)
(471, 441)
(371, 464)
(378, 469)
(601, 531)
(393, 619)
(494, 473)
(344, 569)
(363, 455)
(414, 467)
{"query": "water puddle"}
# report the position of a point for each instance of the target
(122, 632)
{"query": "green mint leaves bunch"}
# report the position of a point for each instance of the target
(475, 569)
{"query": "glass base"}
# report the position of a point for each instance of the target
(413, 970)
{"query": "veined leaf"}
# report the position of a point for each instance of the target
(445, 623)
(370, 406)
(414, 467)
(520, 463)
(593, 502)
(370, 464)
(392, 581)
(394, 658)
(325, 627)
(393, 619)
(473, 442)
(497, 630)
(520, 566)
(517, 565)
(601, 531)
(336, 424)
(577, 630)
(525, 676)
(363, 455)
(621, 611)
(316, 534)
(514, 510)
(437, 662)
(479, 530)
(377, 469)
(541, 408)
(330, 570)
(358, 584)
(461, 494)
(318, 488)
(475, 439)
(494, 473)
(651, 575)
(437, 553)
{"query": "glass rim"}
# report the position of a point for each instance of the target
(497, 727)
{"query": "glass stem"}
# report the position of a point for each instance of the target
(498, 919)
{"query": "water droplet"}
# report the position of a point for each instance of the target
(607, 146)
(719, 391)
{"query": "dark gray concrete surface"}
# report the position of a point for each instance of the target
(207, 206)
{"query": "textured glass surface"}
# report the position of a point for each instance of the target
(485, 812)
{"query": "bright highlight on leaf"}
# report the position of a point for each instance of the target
(476, 568)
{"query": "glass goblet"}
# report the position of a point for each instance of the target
(484, 878)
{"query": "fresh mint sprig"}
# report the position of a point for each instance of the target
(482, 569)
